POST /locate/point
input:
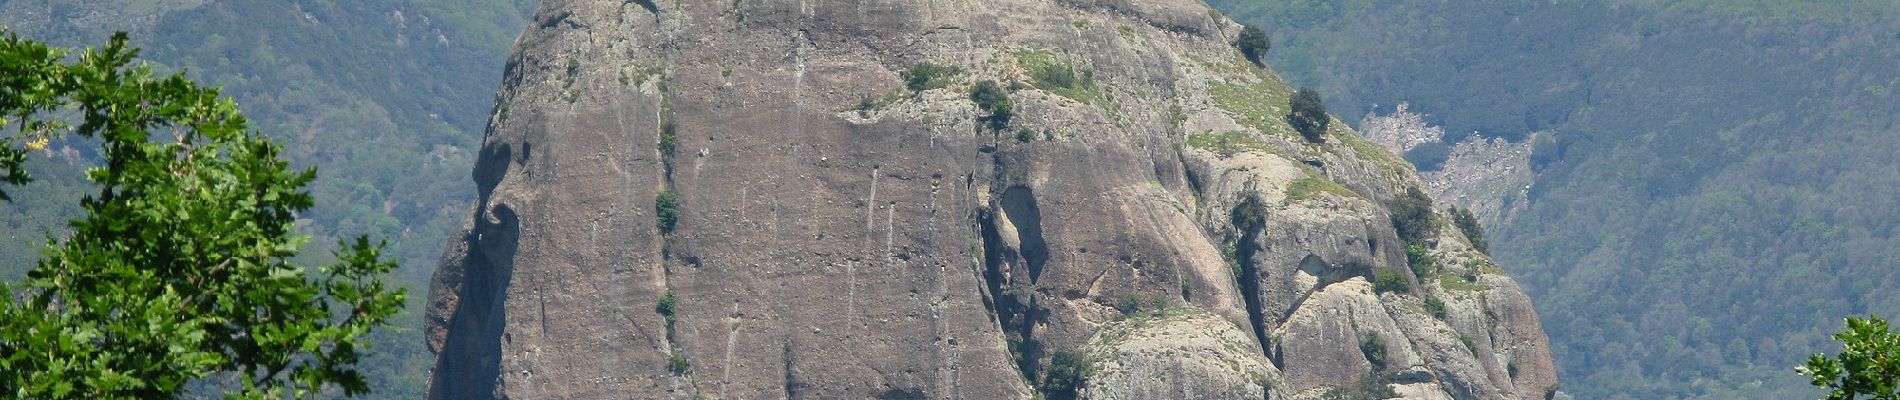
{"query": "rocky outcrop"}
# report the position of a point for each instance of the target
(835, 234)
(1179, 353)
(1492, 177)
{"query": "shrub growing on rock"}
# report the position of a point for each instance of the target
(1254, 43)
(1308, 115)
(1374, 349)
(1390, 280)
(993, 100)
(667, 208)
(1468, 224)
(1412, 216)
(1420, 260)
(1436, 307)
(1065, 374)
(927, 76)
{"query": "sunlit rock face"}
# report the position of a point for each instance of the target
(839, 235)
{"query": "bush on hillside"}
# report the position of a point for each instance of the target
(1436, 307)
(927, 76)
(1374, 349)
(993, 100)
(1420, 260)
(1412, 216)
(1065, 374)
(1390, 280)
(1468, 224)
(1254, 43)
(1308, 115)
(667, 208)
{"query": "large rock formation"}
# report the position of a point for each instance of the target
(839, 235)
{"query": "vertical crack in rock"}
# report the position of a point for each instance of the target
(1019, 205)
(1014, 301)
(1250, 219)
(471, 367)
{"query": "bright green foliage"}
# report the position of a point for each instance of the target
(1468, 224)
(1390, 280)
(1868, 366)
(180, 267)
(1412, 216)
(1254, 44)
(1049, 73)
(991, 99)
(1067, 370)
(667, 207)
(927, 76)
(1312, 187)
(1308, 115)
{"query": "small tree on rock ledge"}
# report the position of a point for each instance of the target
(1308, 115)
(1254, 43)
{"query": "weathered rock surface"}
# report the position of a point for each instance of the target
(839, 236)
(1177, 353)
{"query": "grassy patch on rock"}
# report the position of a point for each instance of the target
(1230, 143)
(1312, 187)
(1051, 74)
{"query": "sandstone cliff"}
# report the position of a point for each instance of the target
(838, 235)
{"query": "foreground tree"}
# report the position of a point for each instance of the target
(1868, 366)
(179, 270)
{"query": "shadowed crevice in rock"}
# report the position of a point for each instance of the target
(789, 359)
(647, 4)
(470, 365)
(1250, 218)
(1013, 301)
(491, 167)
(1019, 204)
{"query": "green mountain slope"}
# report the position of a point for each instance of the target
(1722, 190)
(386, 98)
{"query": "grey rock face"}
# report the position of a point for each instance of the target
(839, 236)
(1177, 354)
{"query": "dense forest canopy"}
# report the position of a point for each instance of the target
(1720, 192)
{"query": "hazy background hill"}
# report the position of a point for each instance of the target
(386, 98)
(1721, 193)
(1723, 185)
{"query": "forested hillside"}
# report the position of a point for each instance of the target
(1721, 191)
(386, 98)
